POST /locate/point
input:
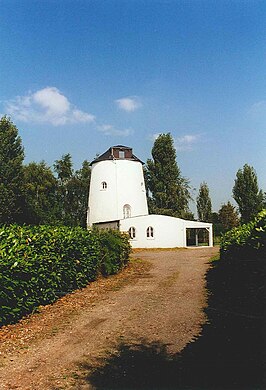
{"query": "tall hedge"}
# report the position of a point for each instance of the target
(247, 242)
(38, 264)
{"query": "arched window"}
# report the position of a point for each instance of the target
(132, 232)
(104, 185)
(127, 211)
(149, 232)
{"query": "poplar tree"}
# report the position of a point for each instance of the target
(247, 194)
(204, 204)
(11, 172)
(167, 190)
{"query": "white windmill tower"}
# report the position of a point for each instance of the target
(117, 188)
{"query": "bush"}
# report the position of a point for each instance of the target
(115, 250)
(38, 264)
(247, 241)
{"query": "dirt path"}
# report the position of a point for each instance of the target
(158, 300)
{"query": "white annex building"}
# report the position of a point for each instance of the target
(117, 199)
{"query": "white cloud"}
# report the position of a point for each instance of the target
(258, 110)
(186, 142)
(108, 129)
(81, 116)
(259, 106)
(128, 104)
(48, 105)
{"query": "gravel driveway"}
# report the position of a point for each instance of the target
(159, 298)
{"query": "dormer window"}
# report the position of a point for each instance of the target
(121, 154)
(104, 185)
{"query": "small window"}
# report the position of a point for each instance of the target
(127, 211)
(132, 232)
(149, 232)
(104, 185)
(121, 154)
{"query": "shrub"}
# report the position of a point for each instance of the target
(115, 250)
(247, 241)
(38, 264)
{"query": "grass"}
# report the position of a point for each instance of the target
(215, 258)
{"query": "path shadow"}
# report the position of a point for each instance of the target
(229, 354)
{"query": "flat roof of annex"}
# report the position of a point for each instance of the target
(118, 152)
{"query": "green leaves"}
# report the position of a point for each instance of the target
(38, 264)
(204, 205)
(11, 177)
(115, 250)
(167, 191)
(246, 241)
(247, 194)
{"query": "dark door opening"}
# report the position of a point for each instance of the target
(197, 237)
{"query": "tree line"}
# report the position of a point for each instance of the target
(168, 191)
(35, 193)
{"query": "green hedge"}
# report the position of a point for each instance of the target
(247, 241)
(115, 248)
(38, 264)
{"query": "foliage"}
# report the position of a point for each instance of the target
(64, 168)
(247, 194)
(31, 193)
(77, 195)
(39, 264)
(215, 217)
(11, 177)
(72, 191)
(228, 216)
(115, 250)
(167, 190)
(40, 194)
(247, 241)
(204, 204)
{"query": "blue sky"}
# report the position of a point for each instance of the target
(79, 76)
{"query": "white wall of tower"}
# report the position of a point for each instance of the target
(124, 186)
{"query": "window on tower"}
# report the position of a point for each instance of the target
(127, 211)
(104, 185)
(121, 154)
(149, 232)
(132, 232)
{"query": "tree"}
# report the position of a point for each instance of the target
(247, 194)
(11, 172)
(72, 194)
(77, 197)
(204, 204)
(64, 171)
(64, 168)
(40, 187)
(215, 217)
(168, 192)
(228, 216)
(84, 176)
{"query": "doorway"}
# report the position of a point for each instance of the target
(197, 237)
